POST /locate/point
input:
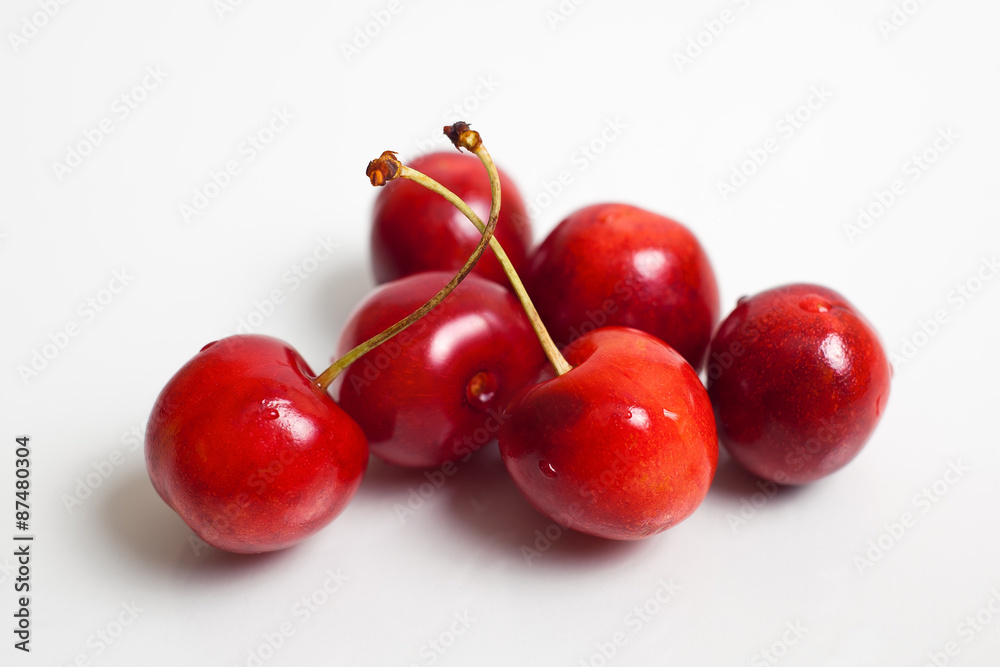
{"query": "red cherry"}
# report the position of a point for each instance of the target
(618, 265)
(798, 380)
(622, 446)
(417, 230)
(248, 450)
(436, 392)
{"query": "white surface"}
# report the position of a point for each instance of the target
(551, 90)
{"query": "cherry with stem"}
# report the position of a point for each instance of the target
(387, 167)
(436, 396)
(378, 178)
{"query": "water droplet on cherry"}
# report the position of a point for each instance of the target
(208, 346)
(547, 469)
(814, 303)
(878, 406)
(271, 413)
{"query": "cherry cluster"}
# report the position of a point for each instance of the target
(585, 373)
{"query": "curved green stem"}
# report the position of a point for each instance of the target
(330, 374)
(548, 345)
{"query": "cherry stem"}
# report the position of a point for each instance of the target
(381, 170)
(460, 135)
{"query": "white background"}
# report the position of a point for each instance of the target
(554, 86)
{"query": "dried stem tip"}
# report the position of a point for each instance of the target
(463, 137)
(384, 168)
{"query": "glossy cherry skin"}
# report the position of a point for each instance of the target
(407, 215)
(437, 391)
(246, 448)
(622, 446)
(618, 265)
(798, 381)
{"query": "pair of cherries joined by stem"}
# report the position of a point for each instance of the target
(618, 442)
(247, 446)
